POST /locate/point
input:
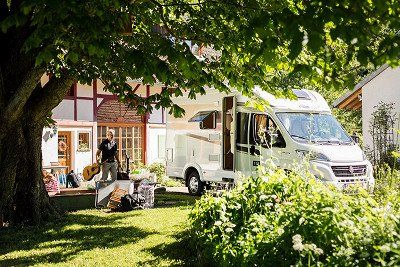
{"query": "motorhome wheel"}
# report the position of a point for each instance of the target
(195, 186)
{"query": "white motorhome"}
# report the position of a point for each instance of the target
(220, 136)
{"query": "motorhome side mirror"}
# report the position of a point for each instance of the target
(279, 141)
(355, 138)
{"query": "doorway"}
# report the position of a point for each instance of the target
(64, 149)
(228, 117)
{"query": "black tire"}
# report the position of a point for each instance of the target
(194, 184)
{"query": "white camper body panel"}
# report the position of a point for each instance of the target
(188, 146)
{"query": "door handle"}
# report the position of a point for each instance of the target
(252, 150)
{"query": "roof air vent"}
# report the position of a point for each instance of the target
(301, 94)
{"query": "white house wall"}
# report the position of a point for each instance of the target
(84, 110)
(49, 147)
(156, 116)
(383, 88)
(84, 90)
(100, 88)
(155, 135)
(99, 101)
(65, 110)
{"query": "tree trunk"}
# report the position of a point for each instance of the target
(24, 106)
(23, 196)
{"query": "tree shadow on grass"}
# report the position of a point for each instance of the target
(182, 251)
(174, 199)
(71, 235)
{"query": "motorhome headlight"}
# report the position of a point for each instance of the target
(311, 155)
(370, 170)
(364, 156)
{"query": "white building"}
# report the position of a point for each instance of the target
(85, 114)
(383, 85)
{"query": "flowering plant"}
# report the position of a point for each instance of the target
(284, 219)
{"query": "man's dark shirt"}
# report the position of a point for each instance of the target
(109, 150)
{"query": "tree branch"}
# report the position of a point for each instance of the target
(15, 105)
(15, 4)
(43, 101)
(3, 9)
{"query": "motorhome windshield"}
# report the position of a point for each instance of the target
(314, 127)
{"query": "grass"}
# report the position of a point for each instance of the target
(154, 237)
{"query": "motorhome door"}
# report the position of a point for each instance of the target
(242, 143)
(228, 132)
(265, 141)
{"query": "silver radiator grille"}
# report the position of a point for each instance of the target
(349, 171)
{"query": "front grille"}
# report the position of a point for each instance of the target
(349, 171)
(352, 180)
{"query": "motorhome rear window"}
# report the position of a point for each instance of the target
(201, 116)
(207, 119)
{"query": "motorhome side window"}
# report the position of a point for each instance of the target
(206, 119)
(262, 128)
(242, 127)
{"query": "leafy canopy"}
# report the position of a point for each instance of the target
(270, 43)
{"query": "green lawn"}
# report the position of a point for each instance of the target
(154, 237)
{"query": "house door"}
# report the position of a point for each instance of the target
(64, 149)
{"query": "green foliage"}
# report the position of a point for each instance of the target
(280, 219)
(384, 137)
(270, 43)
(387, 186)
(159, 169)
(350, 120)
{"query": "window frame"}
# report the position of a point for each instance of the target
(252, 132)
(89, 141)
(239, 133)
(200, 120)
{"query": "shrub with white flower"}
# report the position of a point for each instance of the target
(280, 219)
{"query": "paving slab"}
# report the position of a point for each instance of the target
(181, 189)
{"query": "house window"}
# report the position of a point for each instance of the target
(84, 141)
(130, 142)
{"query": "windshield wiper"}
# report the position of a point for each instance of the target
(302, 137)
(346, 143)
(328, 141)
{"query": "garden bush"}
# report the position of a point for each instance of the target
(280, 219)
(387, 186)
(159, 169)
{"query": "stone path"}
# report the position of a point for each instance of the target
(181, 189)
